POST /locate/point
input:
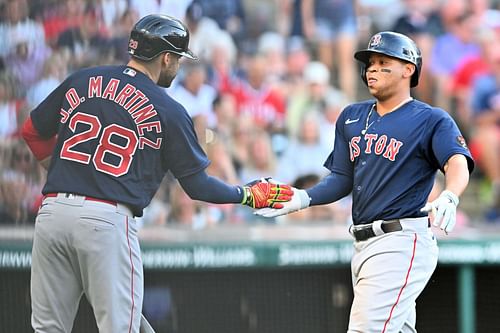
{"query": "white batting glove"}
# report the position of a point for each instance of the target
(300, 200)
(444, 209)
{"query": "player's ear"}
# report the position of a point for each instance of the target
(409, 70)
(166, 57)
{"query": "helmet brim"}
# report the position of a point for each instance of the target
(364, 55)
(188, 54)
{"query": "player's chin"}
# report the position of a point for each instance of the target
(165, 80)
(164, 83)
(373, 89)
(372, 84)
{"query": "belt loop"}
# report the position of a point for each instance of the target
(377, 227)
(351, 229)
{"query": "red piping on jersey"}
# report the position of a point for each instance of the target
(131, 278)
(41, 148)
(404, 285)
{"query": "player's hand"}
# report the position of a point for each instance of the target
(300, 200)
(266, 192)
(444, 210)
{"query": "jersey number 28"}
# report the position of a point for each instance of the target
(106, 146)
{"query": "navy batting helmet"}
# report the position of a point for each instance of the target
(394, 45)
(156, 34)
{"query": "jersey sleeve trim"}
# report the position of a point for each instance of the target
(470, 161)
(192, 171)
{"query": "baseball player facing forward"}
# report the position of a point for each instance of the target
(387, 153)
(108, 135)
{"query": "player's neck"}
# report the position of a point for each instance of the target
(390, 105)
(144, 69)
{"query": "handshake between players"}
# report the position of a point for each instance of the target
(273, 198)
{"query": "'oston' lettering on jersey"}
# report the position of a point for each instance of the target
(129, 97)
(375, 144)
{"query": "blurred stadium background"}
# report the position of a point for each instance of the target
(264, 98)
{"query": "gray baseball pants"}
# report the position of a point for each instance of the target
(82, 246)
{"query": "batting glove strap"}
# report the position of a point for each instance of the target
(300, 200)
(450, 196)
(444, 210)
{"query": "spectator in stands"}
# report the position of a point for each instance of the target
(204, 32)
(449, 50)
(261, 159)
(485, 145)
(419, 18)
(229, 15)
(468, 71)
(335, 103)
(421, 21)
(25, 61)
(222, 72)
(307, 143)
(241, 139)
(197, 96)
(257, 98)
(183, 210)
(156, 213)
(377, 15)
(10, 107)
(224, 107)
(120, 35)
(21, 181)
(60, 16)
(86, 43)
(16, 23)
(332, 25)
(272, 47)
(54, 71)
(221, 167)
(313, 97)
(175, 8)
(114, 11)
(298, 56)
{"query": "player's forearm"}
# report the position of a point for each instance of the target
(202, 187)
(331, 188)
(456, 174)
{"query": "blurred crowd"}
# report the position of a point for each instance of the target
(272, 78)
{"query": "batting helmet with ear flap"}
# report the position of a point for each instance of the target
(156, 34)
(394, 45)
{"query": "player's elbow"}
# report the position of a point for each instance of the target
(195, 193)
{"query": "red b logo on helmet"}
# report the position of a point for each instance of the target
(375, 40)
(133, 44)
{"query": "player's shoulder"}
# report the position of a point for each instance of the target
(428, 111)
(171, 108)
(99, 70)
(84, 73)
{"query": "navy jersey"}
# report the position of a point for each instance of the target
(118, 133)
(394, 163)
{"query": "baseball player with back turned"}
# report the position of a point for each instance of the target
(108, 135)
(387, 153)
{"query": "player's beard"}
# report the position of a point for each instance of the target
(167, 75)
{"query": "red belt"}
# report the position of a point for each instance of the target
(53, 195)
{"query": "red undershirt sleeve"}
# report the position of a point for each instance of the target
(41, 147)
